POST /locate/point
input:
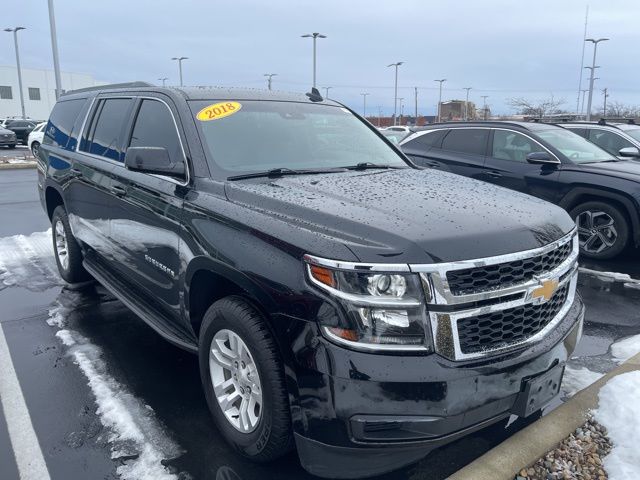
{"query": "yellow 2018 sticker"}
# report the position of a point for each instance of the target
(218, 110)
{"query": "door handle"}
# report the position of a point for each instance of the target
(494, 174)
(76, 172)
(118, 190)
(433, 164)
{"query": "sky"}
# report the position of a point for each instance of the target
(500, 48)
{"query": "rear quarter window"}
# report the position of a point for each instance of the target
(63, 116)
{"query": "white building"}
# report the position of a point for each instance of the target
(39, 87)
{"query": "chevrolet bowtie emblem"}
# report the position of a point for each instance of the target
(546, 290)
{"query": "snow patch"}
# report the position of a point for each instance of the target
(611, 276)
(136, 436)
(576, 379)
(618, 412)
(623, 350)
(28, 261)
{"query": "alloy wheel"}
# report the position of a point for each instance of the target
(235, 380)
(62, 251)
(596, 231)
(35, 149)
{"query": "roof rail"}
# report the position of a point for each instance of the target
(602, 121)
(631, 121)
(110, 87)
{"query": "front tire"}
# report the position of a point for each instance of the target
(603, 229)
(243, 379)
(66, 249)
(35, 148)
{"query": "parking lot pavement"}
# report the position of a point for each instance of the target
(108, 398)
(20, 151)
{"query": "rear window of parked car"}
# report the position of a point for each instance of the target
(104, 136)
(466, 140)
(61, 122)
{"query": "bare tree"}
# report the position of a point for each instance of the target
(537, 108)
(621, 110)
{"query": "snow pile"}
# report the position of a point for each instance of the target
(612, 277)
(28, 261)
(623, 350)
(576, 379)
(618, 412)
(136, 437)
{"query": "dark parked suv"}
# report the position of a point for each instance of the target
(341, 301)
(22, 129)
(600, 191)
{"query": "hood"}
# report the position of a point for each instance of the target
(627, 169)
(406, 216)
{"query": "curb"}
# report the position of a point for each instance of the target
(11, 166)
(526, 446)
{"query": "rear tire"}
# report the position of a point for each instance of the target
(66, 249)
(602, 228)
(35, 148)
(270, 436)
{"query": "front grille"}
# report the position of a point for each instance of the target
(502, 328)
(502, 275)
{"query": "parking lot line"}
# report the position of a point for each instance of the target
(26, 449)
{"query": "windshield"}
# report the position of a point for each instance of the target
(263, 135)
(578, 149)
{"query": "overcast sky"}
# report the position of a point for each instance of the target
(501, 48)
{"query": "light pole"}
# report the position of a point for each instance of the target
(269, 77)
(164, 81)
(593, 69)
(484, 106)
(606, 95)
(379, 114)
(441, 81)
(415, 92)
(401, 106)
(54, 49)
(180, 59)
(326, 91)
(315, 36)
(15, 41)
(466, 105)
(364, 104)
(395, 95)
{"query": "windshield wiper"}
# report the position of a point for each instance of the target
(369, 165)
(281, 172)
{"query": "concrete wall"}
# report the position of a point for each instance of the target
(46, 82)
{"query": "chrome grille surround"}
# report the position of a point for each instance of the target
(446, 309)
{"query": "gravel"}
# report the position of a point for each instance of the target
(579, 456)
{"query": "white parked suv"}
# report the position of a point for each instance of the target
(35, 138)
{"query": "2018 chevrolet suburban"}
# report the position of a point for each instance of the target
(341, 300)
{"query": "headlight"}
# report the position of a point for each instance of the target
(383, 310)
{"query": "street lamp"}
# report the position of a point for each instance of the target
(364, 106)
(441, 81)
(15, 41)
(54, 49)
(400, 100)
(484, 106)
(466, 105)
(180, 59)
(269, 77)
(315, 36)
(593, 69)
(164, 81)
(395, 95)
(326, 91)
(584, 92)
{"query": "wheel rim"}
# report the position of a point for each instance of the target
(61, 245)
(596, 230)
(235, 380)
(35, 148)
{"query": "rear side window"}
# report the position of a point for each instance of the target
(104, 137)
(63, 116)
(466, 140)
(580, 131)
(154, 127)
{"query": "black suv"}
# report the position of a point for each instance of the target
(22, 129)
(340, 300)
(600, 192)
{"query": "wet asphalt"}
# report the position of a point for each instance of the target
(63, 410)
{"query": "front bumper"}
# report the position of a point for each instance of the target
(360, 414)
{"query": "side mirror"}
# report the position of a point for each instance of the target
(542, 158)
(629, 152)
(153, 160)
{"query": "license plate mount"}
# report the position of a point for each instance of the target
(538, 391)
